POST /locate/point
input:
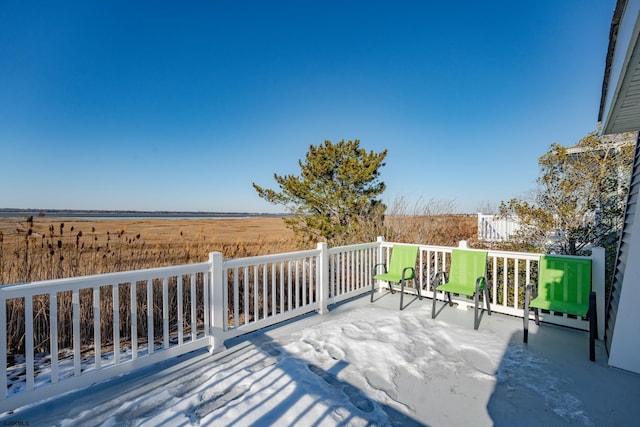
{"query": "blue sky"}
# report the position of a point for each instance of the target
(181, 105)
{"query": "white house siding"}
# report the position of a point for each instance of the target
(622, 334)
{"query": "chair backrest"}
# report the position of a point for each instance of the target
(401, 258)
(466, 266)
(563, 279)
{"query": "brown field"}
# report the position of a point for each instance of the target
(162, 230)
(48, 248)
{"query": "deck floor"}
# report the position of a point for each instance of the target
(367, 364)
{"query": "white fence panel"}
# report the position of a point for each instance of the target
(70, 342)
(493, 228)
(351, 270)
(265, 290)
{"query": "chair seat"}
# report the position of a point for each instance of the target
(457, 288)
(467, 273)
(560, 306)
(392, 277)
(402, 262)
(564, 286)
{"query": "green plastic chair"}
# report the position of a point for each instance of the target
(467, 274)
(402, 267)
(564, 286)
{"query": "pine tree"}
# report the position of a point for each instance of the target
(335, 198)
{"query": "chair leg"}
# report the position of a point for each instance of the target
(480, 287)
(486, 298)
(373, 281)
(417, 288)
(593, 326)
(525, 319)
(401, 293)
(476, 303)
(433, 309)
(534, 294)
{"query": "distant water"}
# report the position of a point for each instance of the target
(104, 215)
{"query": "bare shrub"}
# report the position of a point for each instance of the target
(429, 222)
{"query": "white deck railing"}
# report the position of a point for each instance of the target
(153, 315)
(260, 291)
(70, 341)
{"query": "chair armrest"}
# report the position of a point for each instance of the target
(375, 267)
(480, 280)
(531, 290)
(404, 270)
(438, 274)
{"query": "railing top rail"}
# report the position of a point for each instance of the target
(497, 216)
(355, 247)
(263, 259)
(533, 256)
(436, 248)
(422, 247)
(512, 254)
(70, 283)
(387, 244)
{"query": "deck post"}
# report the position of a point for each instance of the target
(380, 259)
(323, 270)
(598, 285)
(217, 302)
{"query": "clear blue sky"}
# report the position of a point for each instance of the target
(181, 105)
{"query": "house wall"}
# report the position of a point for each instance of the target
(622, 331)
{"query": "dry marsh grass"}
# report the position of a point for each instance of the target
(440, 230)
(50, 248)
(43, 249)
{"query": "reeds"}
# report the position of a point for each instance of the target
(38, 251)
(43, 252)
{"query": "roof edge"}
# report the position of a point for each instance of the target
(613, 38)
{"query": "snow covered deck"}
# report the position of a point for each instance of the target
(367, 364)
